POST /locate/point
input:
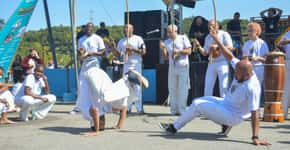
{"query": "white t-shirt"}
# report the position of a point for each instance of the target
(287, 46)
(92, 43)
(35, 85)
(242, 98)
(181, 42)
(136, 42)
(255, 48)
(225, 39)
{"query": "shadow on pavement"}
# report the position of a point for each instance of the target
(199, 136)
(71, 130)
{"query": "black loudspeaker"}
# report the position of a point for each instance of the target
(155, 23)
(151, 58)
(186, 3)
(136, 19)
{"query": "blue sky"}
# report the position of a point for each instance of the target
(112, 11)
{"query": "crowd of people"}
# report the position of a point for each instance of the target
(101, 95)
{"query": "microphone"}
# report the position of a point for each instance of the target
(152, 31)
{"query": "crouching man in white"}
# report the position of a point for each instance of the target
(40, 104)
(241, 101)
(100, 95)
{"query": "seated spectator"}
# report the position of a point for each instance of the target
(30, 61)
(5, 102)
(30, 96)
(5, 96)
(50, 64)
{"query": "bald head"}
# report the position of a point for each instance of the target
(244, 70)
(172, 31)
(212, 24)
(128, 30)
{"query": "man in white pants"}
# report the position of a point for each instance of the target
(94, 47)
(177, 48)
(240, 102)
(132, 48)
(100, 95)
(285, 43)
(32, 98)
(217, 67)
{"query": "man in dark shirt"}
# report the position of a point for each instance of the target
(82, 32)
(234, 28)
(103, 32)
(271, 24)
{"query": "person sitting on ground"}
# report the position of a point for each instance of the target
(6, 103)
(29, 96)
(241, 101)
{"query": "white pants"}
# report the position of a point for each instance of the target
(178, 85)
(9, 98)
(216, 69)
(95, 87)
(259, 71)
(138, 102)
(211, 108)
(286, 94)
(3, 108)
(39, 108)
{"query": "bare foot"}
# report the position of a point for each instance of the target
(7, 122)
(89, 134)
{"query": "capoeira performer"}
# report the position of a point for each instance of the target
(31, 97)
(218, 65)
(132, 48)
(94, 46)
(256, 50)
(285, 43)
(241, 101)
(177, 48)
(6, 102)
(100, 95)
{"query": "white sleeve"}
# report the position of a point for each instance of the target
(186, 42)
(141, 43)
(264, 49)
(119, 46)
(101, 44)
(207, 43)
(234, 62)
(246, 51)
(29, 80)
(253, 98)
(42, 82)
(227, 40)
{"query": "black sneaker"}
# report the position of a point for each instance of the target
(168, 127)
(225, 130)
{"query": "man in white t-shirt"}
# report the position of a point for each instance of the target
(285, 43)
(31, 96)
(256, 50)
(132, 48)
(241, 101)
(177, 48)
(218, 65)
(91, 47)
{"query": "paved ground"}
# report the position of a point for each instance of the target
(61, 131)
